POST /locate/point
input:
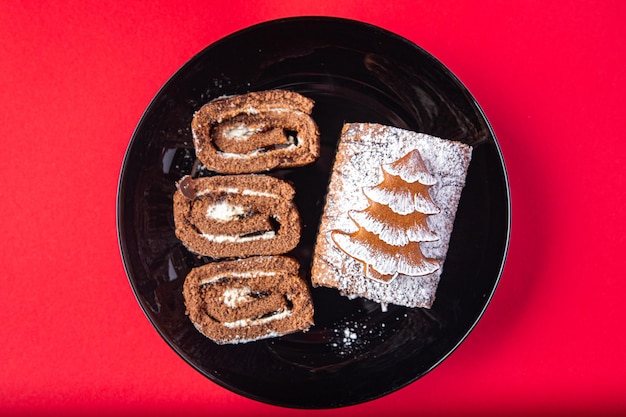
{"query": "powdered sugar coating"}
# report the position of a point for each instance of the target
(393, 234)
(411, 171)
(364, 148)
(401, 201)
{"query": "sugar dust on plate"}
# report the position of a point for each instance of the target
(353, 337)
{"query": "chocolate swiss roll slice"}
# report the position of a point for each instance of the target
(242, 300)
(236, 215)
(256, 132)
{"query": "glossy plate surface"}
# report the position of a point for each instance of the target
(355, 73)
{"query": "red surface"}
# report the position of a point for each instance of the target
(75, 78)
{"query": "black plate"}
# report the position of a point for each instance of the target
(355, 73)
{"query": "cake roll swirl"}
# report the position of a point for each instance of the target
(242, 300)
(256, 132)
(236, 215)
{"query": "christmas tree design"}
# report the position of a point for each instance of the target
(392, 227)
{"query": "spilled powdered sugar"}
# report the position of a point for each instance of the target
(354, 337)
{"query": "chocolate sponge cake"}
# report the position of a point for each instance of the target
(236, 215)
(256, 132)
(248, 299)
(390, 208)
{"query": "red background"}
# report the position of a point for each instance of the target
(75, 77)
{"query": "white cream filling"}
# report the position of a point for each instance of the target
(252, 110)
(241, 132)
(285, 109)
(222, 211)
(270, 234)
(229, 190)
(253, 153)
(255, 193)
(233, 274)
(234, 297)
(256, 322)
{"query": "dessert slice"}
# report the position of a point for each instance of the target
(248, 299)
(389, 213)
(256, 132)
(236, 215)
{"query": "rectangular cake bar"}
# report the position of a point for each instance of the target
(362, 151)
